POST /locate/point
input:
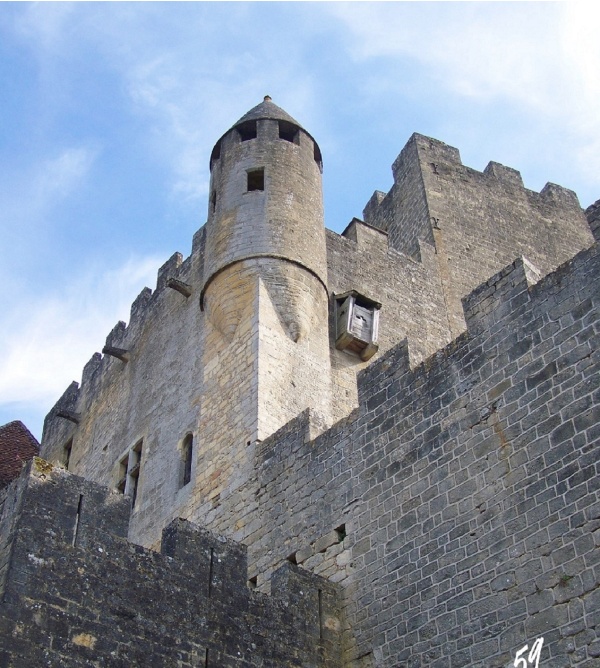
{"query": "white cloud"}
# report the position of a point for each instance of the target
(581, 50)
(538, 62)
(475, 49)
(47, 339)
(56, 178)
(187, 70)
(44, 24)
(28, 197)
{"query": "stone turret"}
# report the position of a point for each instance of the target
(264, 292)
(266, 204)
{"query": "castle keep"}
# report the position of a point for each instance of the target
(371, 449)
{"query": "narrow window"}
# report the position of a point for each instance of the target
(320, 613)
(134, 471)
(77, 521)
(210, 570)
(289, 132)
(123, 465)
(67, 454)
(187, 451)
(256, 180)
(213, 201)
(247, 130)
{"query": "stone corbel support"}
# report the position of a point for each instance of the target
(69, 415)
(184, 288)
(119, 353)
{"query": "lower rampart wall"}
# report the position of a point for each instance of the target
(77, 593)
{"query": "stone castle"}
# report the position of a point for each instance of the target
(373, 449)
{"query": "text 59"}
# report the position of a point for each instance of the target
(534, 655)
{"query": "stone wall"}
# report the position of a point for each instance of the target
(409, 291)
(455, 498)
(76, 593)
(153, 398)
(459, 506)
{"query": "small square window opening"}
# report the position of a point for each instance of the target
(289, 132)
(247, 130)
(256, 180)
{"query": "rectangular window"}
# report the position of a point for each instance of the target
(123, 465)
(129, 472)
(134, 471)
(256, 180)
(288, 131)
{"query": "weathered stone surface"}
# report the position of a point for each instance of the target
(76, 592)
(456, 502)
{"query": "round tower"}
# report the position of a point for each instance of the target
(264, 295)
(266, 204)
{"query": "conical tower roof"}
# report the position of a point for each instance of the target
(267, 109)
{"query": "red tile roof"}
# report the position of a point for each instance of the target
(17, 446)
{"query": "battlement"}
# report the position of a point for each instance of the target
(441, 159)
(74, 590)
(121, 344)
(434, 190)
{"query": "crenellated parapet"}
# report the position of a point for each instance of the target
(427, 173)
(168, 270)
(75, 590)
(478, 222)
(123, 345)
(58, 429)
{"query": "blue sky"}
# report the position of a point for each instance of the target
(110, 110)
